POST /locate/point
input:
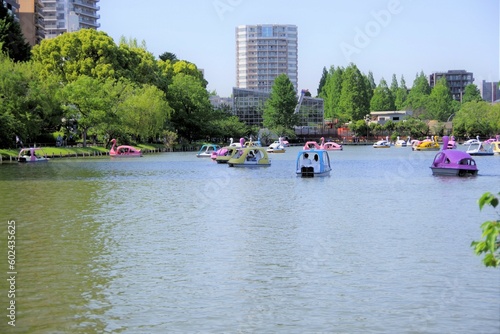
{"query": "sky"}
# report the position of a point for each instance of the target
(386, 37)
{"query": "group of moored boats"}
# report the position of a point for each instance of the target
(313, 160)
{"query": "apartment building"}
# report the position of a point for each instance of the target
(32, 21)
(490, 91)
(456, 79)
(263, 52)
(62, 16)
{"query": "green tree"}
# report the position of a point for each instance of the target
(394, 85)
(12, 40)
(279, 111)
(493, 118)
(439, 103)
(490, 242)
(472, 120)
(382, 99)
(331, 93)
(322, 81)
(371, 81)
(401, 95)
(191, 106)
(145, 112)
(87, 101)
(137, 64)
(354, 103)
(28, 102)
(168, 56)
(418, 96)
(471, 93)
(86, 52)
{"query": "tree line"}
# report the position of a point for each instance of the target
(350, 95)
(83, 84)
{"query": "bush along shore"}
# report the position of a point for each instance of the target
(52, 152)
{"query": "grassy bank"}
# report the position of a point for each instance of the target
(77, 151)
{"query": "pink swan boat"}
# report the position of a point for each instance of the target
(330, 145)
(124, 150)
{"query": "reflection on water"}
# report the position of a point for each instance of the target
(174, 243)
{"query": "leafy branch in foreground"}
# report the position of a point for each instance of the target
(490, 244)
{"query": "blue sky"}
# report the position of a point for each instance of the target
(386, 37)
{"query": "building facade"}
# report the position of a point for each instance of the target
(62, 16)
(263, 52)
(490, 91)
(248, 105)
(456, 79)
(12, 7)
(32, 21)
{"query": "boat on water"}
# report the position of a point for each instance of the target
(382, 144)
(400, 143)
(450, 162)
(311, 145)
(250, 157)
(224, 150)
(452, 144)
(31, 154)
(313, 163)
(226, 153)
(479, 149)
(276, 147)
(472, 141)
(495, 147)
(427, 145)
(123, 150)
(330, 145)
(206, 150)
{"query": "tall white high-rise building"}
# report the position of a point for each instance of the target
(62, 16)
(263, 52)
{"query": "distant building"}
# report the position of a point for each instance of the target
(490, 91)
(249, 105)
(62, 16)
(32, 21)
(263, 52)
(219, 102)
(382, 117)
(12, 7)
(457, 81)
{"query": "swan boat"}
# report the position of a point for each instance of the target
(453, 162)
(313, 163)
(382, 144)
(29, 155)
(277, 146)
(206, 150)
(250, 157)
(480, 148)
(123, 150)
(427, 145)
(225, 154)
(495, 147)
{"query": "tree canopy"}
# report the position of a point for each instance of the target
(354, 103)
(279, 111)
(12, 41)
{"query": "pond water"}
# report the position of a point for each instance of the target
(171, 243)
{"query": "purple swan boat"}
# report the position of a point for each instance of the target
(453, 162)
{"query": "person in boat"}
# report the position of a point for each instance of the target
(250, 156)
(305, 160)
